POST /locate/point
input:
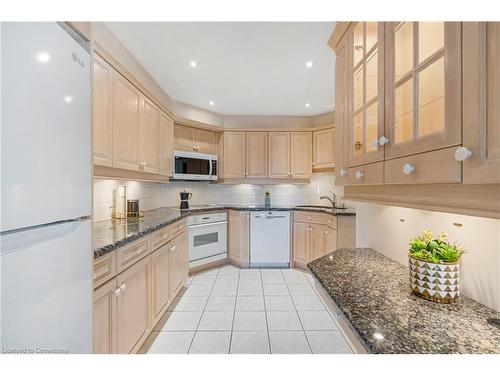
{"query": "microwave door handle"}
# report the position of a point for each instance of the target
(210, 167)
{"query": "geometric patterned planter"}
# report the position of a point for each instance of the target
(435, 281)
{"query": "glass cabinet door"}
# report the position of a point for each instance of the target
(423, 96)
(365, 120)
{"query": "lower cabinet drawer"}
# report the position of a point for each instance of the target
(310, 217)
(430, 167)
(130, 254)
(370, 174)
(160, 237)
(104, 268)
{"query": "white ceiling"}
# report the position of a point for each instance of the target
(252, 68)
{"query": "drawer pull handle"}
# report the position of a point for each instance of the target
(123, 287)
(408, 168)
(359, 175)
(173, 248)
(117, 292)
(462, 153)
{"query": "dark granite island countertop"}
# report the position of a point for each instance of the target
(110, 234)
(373, 293)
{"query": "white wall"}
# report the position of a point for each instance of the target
(380, 228)
(148, 193)
(154, 195)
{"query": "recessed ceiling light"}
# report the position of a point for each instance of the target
(68, 99)
(309, 64)
(211, 103)
(43, 57)
(308, 105)
(192, 64)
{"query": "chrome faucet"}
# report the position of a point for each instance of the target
(332, 200)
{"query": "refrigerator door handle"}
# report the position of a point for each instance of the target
(22, 239)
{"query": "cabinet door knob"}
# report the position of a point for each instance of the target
(383, 141)
(173, 248)
(117, 292)
(408, 168)
(123, 287)
(326, 232)
(343, 172)
(359, 175)
(462, 153)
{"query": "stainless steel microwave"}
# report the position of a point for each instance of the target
(194, 166)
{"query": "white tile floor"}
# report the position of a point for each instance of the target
(249, 311)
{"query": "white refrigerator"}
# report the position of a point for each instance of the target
(45, 239)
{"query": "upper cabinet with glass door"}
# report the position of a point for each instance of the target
(365, 90)
(423, 83)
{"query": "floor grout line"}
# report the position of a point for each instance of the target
(203, 311)
(234, 313)
(265, 312)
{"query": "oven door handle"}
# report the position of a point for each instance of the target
(207, 224)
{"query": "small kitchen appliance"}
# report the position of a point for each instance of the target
(194, 166)
(185, 196)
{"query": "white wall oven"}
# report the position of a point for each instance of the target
(207, 238)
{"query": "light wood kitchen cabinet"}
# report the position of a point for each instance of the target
(239, 238)
(481, 103)
(104, 268)
(126, 112)
(324, 146)
(234, 155)
(166, 125)
(187, 138)
(301, 149)
(341, 100)
(204, 141)
(316, 234)
(323, 240)
(423, 87)
(178, 248)
(331, 240)
(184, 138)
(256, 155)
(160, 282)
(102, 122)
(290, 155)
(364, 92)
(133, 306)
(105, 302)
(279, 155)
(149, 135)
(301, 244)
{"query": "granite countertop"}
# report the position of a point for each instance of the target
(113, 233)
(374, 294)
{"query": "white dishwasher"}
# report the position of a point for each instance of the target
(270, 239)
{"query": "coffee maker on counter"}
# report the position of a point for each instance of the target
(185, 196)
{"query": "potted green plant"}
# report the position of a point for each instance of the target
(435, 267)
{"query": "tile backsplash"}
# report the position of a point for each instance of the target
(154, 195)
